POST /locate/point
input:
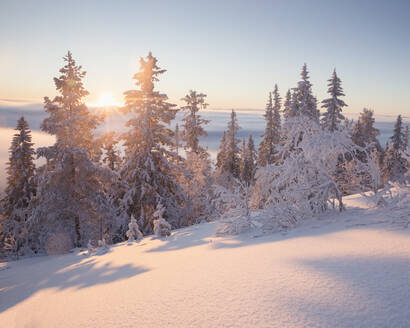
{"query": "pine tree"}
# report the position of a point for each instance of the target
(150, 176)
(333, 117)
(193, 123)
(19, 191)
(71, 196)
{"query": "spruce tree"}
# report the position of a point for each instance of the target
(287, 106)
(148, 172)
(176, 139)
(221, 156)
(266, 146)
(398, 134)
(305, 103)
(248, 167)
(232, 161)
(19, 191)
(271, 136)
(192, 121)
(395, 164)
(71, 197)
(112, 158)
(20, 170)
(333, 117)
(276, 115)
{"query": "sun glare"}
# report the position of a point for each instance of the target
(106, 100)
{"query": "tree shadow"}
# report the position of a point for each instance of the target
(186, 237)
(375, 292)
(26, 277)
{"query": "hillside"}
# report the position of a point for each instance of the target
(348, 270)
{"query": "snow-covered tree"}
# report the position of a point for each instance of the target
(228, 165)
(221, 155)
(302, 183)
(365, 134)
(176, 139)
(19, 191)
(287, 106)
(333, 117)
(71, 197)
(395, 162)
(271, 136)
(248, 161)
(198, 186)
(276, 115)
(20, 170)
(193, 122)
(148, 171)
(161, 227)
(305, 102)
(112, 158)
(133, 233)
(398, 134)
(406, 138)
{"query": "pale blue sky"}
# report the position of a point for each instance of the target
(232, 50)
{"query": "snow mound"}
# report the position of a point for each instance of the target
(347, 270)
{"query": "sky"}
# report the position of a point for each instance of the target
(234, 51)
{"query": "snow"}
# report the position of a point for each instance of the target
(343, 270)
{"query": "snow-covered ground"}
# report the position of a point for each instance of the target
(348, 270)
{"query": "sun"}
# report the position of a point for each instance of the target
(106, 100)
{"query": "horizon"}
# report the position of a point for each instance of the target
(208, 48)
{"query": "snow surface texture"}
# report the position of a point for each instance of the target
(347, 270)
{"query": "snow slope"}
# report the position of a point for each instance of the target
(348, 270)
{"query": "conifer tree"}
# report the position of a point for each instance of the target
(276, 115)
(333, 117)
(221, 156)
(20, 185)
(176, 139)
(20, 189)
(228, 158)
(150, 176)
(112, 157)
(305, 103)
(248, 163)
(395, 164)
(287, 105)
(71, 196)
(192, 122)
(398, 134)
(266, 146)
(406, 138)
(232, 161)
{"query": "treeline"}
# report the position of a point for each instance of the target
(89, 191)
